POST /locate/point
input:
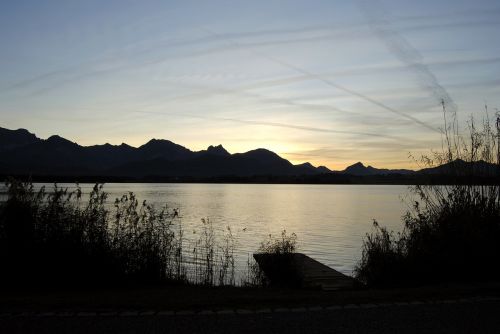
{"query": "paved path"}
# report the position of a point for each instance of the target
(479, 315)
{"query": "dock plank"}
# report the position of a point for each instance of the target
(303, 270)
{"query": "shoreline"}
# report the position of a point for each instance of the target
(437, 180)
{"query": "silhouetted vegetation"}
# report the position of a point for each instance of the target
(57, 238)
(452, 232)
(213, 259)
(284, 244)
(275, 258)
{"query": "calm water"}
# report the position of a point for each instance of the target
(329, 220)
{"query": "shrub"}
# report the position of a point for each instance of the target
(286, 244)
(277, 262)
(452, 231)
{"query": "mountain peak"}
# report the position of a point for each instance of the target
(357, 164)
(359, 169)
(217, 150)
(307, 165)
(10, 139)
(323, 169)
(163, 149)
(17, 134)
(160, 145)
(55, 139)
(155, 141)
(262, 153)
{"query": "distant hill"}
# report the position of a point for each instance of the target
(460, 167)
(358, 169)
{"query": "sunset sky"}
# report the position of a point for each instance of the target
(329, 82)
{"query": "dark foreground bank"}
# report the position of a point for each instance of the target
(451, 309)
(199, 298)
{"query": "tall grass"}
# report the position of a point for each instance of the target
(226, 259)
(213, 258)
(58, 238)
(451, 232)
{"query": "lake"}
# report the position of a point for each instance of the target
(330, 220)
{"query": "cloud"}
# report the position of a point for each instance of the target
(273, 124)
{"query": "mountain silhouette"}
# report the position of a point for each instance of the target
(23, 153)
(460, 167)
(216, 150)
(10, 139)
(358, 169)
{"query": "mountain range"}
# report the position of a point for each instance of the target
(23, 153)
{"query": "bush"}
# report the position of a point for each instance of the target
(285, 244)
(452, 232)
(277, 265)
(55, 238)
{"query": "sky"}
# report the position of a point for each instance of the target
(329, 82)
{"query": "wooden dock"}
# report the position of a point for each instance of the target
(300, 270)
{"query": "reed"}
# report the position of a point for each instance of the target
(451, 232)
(58, 238)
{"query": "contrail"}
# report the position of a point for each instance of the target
(334, 33)
(170, 44)
(404, 51)
(261, 98)
(242, 89)
(357, 94)
(273, 124)
(334, 85)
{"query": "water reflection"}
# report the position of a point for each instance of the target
(329, 220)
